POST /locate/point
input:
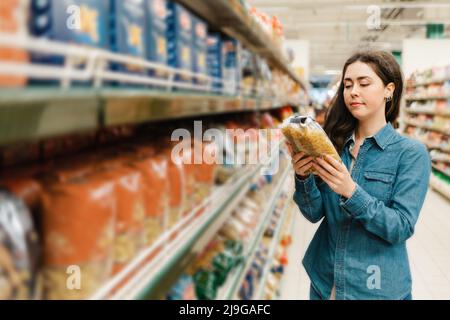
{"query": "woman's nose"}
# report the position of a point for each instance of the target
(354, 91)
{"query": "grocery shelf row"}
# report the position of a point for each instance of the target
(437, 168)
(156, 268)
(235, 279)
(437, 97)
(40, 113)
(428, 112)
(273, 246)
(291, 231)
(83, 99)
(440, 186)
(425, 89)
(428, 82)
(414, 124)
(233, 18)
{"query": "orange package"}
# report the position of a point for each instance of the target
(78, 233)
(13, 21)
(191, 186)
(129, 230)
(156, 194)
(177, 184)
(205, 173)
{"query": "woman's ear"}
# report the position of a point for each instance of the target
(389, 90)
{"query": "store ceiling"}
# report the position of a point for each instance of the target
(336, 28)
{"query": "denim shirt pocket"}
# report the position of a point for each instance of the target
(379, 184)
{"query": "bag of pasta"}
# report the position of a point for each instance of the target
(306, 135)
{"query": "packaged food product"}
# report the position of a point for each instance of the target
(83, 22)
(128, 27)
(129, 231)
(307, 135)
(156, 11)
(214, 59)
(18, 249)
(158, 199)
(179, 39)
(79, 219)
(190, 171)
(205, 172)
(13, 21)
(199, 34)
(231, 53)
(177, 184)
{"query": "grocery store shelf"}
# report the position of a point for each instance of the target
(410, 123)
(416, 98)
(430, 112)
(284, 277)
(440, 186)
(435, 167)
(156, 268)
(36, 113)
(232, 18)
(429, 145)
(234, 280)
(273, 247)
(428, 82)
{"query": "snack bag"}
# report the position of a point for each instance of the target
(306, 135)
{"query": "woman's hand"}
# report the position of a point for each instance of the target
(335, 175)
(300, 163)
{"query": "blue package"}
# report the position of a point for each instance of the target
(214, 58)
(127, 31)
(83, 22)
(199, 35)
(179, 39)
(75, 21)
(156, 42)
(231, 68)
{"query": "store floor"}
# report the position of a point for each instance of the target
(429, 252)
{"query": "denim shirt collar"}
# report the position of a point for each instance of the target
(382, 137)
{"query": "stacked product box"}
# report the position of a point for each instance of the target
(199, 35)
(13, 14)
(156, 11)
(82, 22)
(214, 59)
(127, 31)
(231, 70)
(179, 39)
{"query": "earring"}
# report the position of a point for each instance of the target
(388, 98)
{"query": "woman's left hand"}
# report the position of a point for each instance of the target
(335, 175)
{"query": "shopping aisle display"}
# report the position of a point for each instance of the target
(88, 168)
(244, 260)
(427, 116)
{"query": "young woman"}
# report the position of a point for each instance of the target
(369, 203)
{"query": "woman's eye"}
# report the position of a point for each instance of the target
(347, 86)
(364, 84)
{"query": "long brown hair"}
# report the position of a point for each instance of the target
(340, 123)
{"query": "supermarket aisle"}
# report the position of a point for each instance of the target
(428, 250)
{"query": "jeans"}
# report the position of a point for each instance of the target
(313, 295)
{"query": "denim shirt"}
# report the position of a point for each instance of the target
(360, 245)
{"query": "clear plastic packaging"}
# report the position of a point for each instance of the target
(306, 135)
(18, 249)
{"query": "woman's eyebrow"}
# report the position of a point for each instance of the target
(359, 78)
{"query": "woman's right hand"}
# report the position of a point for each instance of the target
(300, 163)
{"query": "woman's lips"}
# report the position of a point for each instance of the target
(356, 104)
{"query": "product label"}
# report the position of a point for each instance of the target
(89, 22)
